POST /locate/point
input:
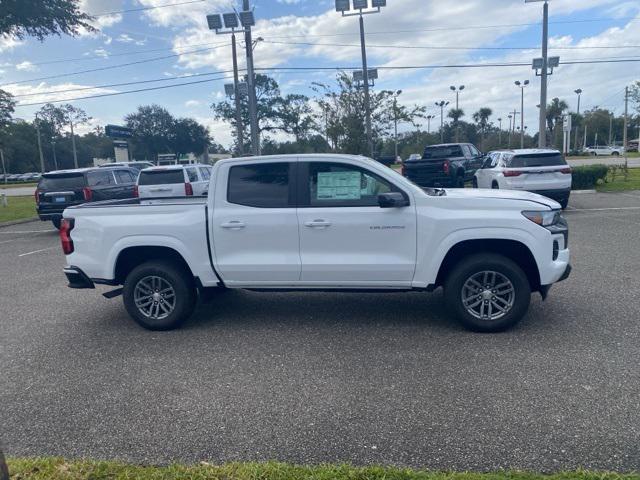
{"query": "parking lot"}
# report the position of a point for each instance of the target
(319, 377)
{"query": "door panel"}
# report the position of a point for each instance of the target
(255, 227)
(346, 239)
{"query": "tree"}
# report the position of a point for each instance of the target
(554, 113)
(295, 115)
(455, 114)
(74, 116)
(41, 18)
(152, 127)
(481, 117)
(268, 101)
(635, 95)
(188, 136)
(7, 105)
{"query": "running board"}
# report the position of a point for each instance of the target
(113, 293)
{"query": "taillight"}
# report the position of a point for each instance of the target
(566, 171)
(445, 167)
(135, 191)
(403, 170)
(88, 194)
(66, 225)
(188, 189)
(37, 195)
(512, 173)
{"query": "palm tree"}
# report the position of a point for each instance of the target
(554, 112)
(481, 117)
(455, 114)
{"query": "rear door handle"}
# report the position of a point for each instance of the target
(318, 224)
(234, 224)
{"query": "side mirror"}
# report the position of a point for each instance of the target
(392, 200)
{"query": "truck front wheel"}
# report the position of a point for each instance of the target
(487, 292)
(159, 295)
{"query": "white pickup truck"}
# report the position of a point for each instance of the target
(320, 222)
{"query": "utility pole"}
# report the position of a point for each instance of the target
(251, 83)
(542, 135)
(55, 159)
(624, 129)
(509, 133)
(73, 143)
(395, 124)
(365, 81)
(610, 127)
(39, 144)
(4, 169)
(429, 117)
(239, 128)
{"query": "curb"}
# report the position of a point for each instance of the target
(583, 191)
(18, 222)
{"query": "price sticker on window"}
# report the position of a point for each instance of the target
(339, 186)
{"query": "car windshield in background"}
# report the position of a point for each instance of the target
(69, 181)
(442, 152)
(544, 160)
(160, 177)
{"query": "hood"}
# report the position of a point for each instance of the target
(472, 193)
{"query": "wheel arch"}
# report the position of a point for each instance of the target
(512, 249)
(130, 257)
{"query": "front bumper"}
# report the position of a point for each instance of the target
(544, 289)
(77, 278)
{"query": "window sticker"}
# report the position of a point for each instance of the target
(339, 186)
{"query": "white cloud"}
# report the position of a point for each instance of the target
(192, 103)
(38, 93)
(96, 7)
(9, 43)
(26, 66)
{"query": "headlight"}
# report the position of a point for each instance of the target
(544, 218)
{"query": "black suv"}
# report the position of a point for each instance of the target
(445, 165)
(64, 188)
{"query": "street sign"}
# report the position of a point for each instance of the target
(120, 144)
(117, 131)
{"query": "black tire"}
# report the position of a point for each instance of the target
(474, 182)
(459, 182)
(495, 186)
(563, 203)
(455, 288)
(56, 222)
(178, 278)
(615, 154)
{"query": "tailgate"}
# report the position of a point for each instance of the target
(424, 171)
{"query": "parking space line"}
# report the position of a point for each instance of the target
(601, 209)
(37, 251)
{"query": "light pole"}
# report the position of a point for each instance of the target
(55, 158)
(509, 136)
(575, 141)
(243, 21)
(521, 85)
(457, 90)
(39, 144)
(429, 117)
(362, 6)
(500, 131)
(442, 104)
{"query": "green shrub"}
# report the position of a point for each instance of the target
(587, 177)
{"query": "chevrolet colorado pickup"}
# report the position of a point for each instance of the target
(320, 222)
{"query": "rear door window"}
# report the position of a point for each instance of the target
(161, 177)
(124, 176)
(61, 182)
(536, 160)
(205, 173)
(263, 185)
(100, 178)
(442, 151)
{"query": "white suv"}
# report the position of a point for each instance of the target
(542, 171)
(173, 181)
(604, 150)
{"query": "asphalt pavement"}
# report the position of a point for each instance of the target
(323, 377)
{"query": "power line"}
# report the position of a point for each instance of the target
(113, 94)
(110, 67)
(141, 9)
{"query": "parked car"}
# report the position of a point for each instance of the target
(446, 165)
(415, 156)
(604, 150)
(137, 165)
(60, 189)
(173, 181)
(542, 171)
(14, 177)
(320, 222)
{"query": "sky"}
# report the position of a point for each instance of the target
(159, 45)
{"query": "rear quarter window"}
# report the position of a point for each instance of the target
(161, 177)
(61, 182)
(524, 161)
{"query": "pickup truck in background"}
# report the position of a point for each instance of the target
(445, 165)
(320, 222)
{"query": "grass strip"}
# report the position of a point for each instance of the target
(18, 208)
(620, 184)
(60, 469)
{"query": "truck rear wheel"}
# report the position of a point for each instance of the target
(159, 295)
(487, 292)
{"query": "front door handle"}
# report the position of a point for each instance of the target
(318, 224)
(233, 225)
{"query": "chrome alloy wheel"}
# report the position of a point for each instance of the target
(488, 295)
(154, 297)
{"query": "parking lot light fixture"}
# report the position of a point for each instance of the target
(457, 90)
(442, 104)
(522, 85)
